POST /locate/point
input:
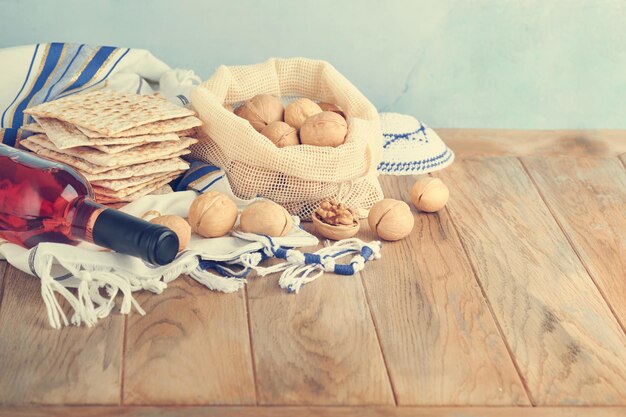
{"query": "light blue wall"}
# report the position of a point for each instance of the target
(483, 63)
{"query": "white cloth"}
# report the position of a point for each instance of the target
(89, 269)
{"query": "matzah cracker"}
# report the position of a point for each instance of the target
(33, 127)
(66, 136)
(165, 189)
(134, 196)
(130, 190)
(116, 185)
(84, 166)
(164, 165)
(109, 112)
(136, 155)
(163, 126)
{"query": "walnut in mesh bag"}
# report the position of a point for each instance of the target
(335, 220)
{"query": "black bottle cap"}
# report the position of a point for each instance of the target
(127, 234)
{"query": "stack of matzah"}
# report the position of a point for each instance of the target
(126, 145)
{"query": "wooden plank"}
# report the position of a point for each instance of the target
(314, 412)
(588, 198)
(466, 142)
(318, 347)
(440, 343)
(41, 365)
(566, 342)
(3, 268)
(191, 347)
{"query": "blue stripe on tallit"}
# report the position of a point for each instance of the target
(103, 78)
(67, 67)
(52, 59)
(23, 85)
(10, 135)
(195, 172)
(94, 65)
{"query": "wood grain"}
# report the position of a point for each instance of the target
(191, 347)
(439, 340)
(3, 268)
(314, 412)
(318, 347)
(504, 142)
(588, 198)
(565, 340)
(41, 365)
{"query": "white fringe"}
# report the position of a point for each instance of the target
(217, 282)
(89, 305)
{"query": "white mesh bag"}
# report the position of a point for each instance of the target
(297, 177)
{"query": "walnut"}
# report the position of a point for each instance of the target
(429, 194)
(212, 214)
(281, 134)
(265, 218)
(261, 110)
(300, 110)
(334, 220)
(332, 107)
(178, 225)
(324, 129)
(391, 219)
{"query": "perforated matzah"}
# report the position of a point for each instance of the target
(132, 197)
(33, 127)
(84, 166)
(131, 190)
(163, 126)
(164, 165)
(65, 135)
(109, 112)
(115, 185)
(147, 152)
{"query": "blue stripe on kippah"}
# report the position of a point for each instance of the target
(414, 135)
(423, 164)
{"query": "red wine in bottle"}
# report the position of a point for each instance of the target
(46, 201)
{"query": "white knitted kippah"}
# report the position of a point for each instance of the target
(410, 147)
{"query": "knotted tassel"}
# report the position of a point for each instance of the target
(301, 268)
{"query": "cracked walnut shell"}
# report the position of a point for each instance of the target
(429, 194)
(299, 110)
(391, 219)
(281, 134)
(212, 214)
(176, 224)
(261, 110)
(265, 218)
(335, 221)
(324, 129)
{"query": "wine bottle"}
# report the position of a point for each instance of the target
(46, 201)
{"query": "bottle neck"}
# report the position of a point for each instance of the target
(82, 217)
(122, 232)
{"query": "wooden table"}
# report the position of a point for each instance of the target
(511, 302)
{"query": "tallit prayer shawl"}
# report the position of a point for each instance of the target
(35, 74)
